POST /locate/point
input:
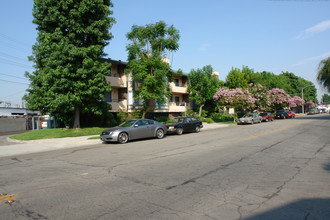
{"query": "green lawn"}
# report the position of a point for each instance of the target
(57, 133)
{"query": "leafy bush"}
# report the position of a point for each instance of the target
(220, 117)
(163, 119)
(208, 120)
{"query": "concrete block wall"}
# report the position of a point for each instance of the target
(12, 124)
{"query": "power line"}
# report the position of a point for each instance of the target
(13, 94)
(14, 63)
(13, 76)
(14, 40)
(13, 57)
(14, 82)
(12, 46)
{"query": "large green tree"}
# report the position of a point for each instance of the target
(149, 48)
(69, 76)
(326, 98)
(323, 75)
(236, 79)
(202, 86)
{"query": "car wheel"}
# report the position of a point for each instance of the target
(267, 120)
(123, 138)
(197, 129)
(179, 131)
(160, 133)
(252, 122)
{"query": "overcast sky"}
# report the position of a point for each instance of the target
(274, 36)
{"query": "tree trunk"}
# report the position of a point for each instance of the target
(76, 123)
(200, 110)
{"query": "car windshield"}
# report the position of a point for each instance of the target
(178, 120)
(127, 123)
(281, 111)
(248, 115)
(263, 114)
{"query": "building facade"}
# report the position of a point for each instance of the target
(123, 86)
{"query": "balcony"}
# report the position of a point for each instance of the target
(178, 107)
(178, 88)
(117, 80)
(118, 104)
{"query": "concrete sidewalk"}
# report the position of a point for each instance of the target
(35, 146)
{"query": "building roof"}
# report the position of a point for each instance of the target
(125, 63)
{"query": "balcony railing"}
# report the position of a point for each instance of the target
(117, 80)
(178, 88)
(118, 104)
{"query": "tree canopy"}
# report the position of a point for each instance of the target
(202, 85)
(69, 76)
(326, 98)
(236, 79)
(149, 50)
(323, 76)
(287, 81)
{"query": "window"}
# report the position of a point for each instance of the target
(194, 119)
(108, 97)
(142, 122)
(122, 93)
(176, 82)
(187, 120)
(176, 99)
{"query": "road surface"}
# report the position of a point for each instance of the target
(273, 170)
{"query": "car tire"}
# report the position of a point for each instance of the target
(179, 131)
(123, 138)
(197, 129)
(267, 120)
(160, 133)
(252, 122)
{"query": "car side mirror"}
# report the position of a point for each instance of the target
(136, 125)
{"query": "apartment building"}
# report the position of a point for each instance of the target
(123, 87)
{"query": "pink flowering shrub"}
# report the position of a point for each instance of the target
(295, 101)
(257, 97)
(235, 98)
(311, 104)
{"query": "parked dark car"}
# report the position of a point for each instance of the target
(184, 124)
(281, 114)
(250, 118)
(267, 116)
(134, 129)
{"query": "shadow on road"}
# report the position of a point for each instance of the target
(302, 209)
(327, 166)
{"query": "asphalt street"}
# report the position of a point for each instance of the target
(274, 170)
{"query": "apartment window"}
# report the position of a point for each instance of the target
(176, 82)
(121, 69)
(176, 100)
(110, 72)
(108, 97)
(122, 93)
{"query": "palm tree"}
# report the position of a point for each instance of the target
(323, 76)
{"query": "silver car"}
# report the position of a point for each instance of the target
(134, 129)
(250, 118)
